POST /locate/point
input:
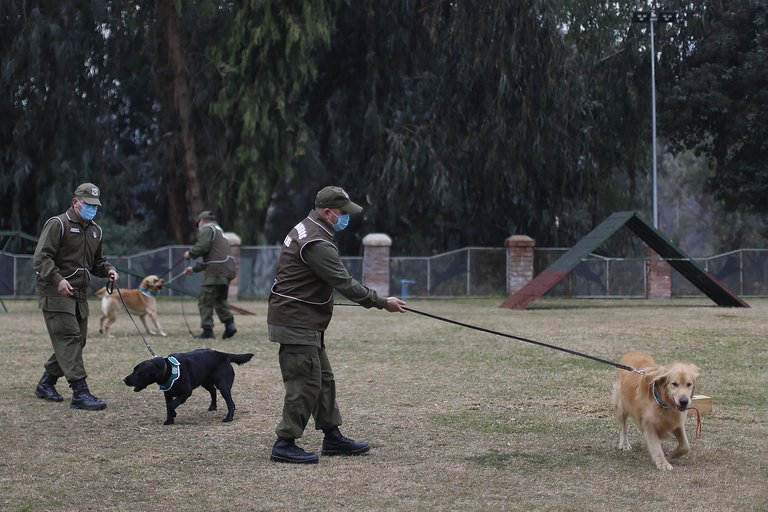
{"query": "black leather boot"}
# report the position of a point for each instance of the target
(336, 444)
(285, 450)
(45, 389)
(207, 334)
(229, 328)
(83, 399)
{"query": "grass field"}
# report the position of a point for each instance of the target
(457, 419)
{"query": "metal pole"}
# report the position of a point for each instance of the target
(653, 121)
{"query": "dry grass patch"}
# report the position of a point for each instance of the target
(458, 419)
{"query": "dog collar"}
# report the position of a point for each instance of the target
(175, 374)
(658, 398)
(146, 292)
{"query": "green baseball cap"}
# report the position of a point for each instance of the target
(336, 197)
(89, 193)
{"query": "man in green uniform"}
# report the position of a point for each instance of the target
(68, 252)
(300, 308)
(219, 266)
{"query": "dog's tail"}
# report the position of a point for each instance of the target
(240, 358)
(101, 292)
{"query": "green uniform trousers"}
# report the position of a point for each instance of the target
(213, 297)
(67, 332)
(310, 389)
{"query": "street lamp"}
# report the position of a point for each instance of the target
(651, 17)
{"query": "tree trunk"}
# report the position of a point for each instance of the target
(176, 119)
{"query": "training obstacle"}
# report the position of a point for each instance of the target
(688, 268)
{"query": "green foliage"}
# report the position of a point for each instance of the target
(266, 64)
(717, 103)
(128, 237)
(454, 123)
(453, 120)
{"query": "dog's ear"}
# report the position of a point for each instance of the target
(694, 371)
(656, 375)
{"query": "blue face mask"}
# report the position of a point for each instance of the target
(342, 221)
(88, 212)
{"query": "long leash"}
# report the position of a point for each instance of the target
(189, 329)
(519, 338)
(183, 315)
(541, 344)
(111, 287)
(182, 260)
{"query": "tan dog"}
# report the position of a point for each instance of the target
(657, 402)
(139, 302)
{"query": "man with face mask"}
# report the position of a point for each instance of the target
(68, 251)
(309, 269)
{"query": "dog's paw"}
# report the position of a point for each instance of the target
(679, 452)
(228, 419)
(162, 333)
(625, 446)
(169, 421)
(212, 407)
(665, 466)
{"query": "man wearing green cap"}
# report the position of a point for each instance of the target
(219, 266)
(68, 252)
(309, 269)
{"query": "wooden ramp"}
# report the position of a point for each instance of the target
(688, 268)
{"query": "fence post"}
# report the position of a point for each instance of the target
(519, 261)
(376, 248)
(234, 286)
(659, 272)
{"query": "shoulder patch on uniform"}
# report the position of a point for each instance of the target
(301, 230)
(287, 241)
(74, 230)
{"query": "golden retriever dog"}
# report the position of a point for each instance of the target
(657, 402)
(140, 302)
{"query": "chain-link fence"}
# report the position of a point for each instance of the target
(468, 272)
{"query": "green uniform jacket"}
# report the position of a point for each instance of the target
(71, 249)
(218, 262)
(308, 270)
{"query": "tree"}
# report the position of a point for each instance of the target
(458, 122)
(182, 182)
(266, 65)
(718, 103)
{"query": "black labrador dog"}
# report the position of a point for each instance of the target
(178, 374)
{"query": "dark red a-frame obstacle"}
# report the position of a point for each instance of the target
(689, 269)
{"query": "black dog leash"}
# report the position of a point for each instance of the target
(111, 286)
(519, 338)
(183, 315)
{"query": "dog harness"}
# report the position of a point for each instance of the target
(175, 374)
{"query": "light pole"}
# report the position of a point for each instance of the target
(651, 17)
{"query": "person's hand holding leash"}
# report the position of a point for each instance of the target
(395, 305)
(65, 289)
(188, 271)
(113, 276)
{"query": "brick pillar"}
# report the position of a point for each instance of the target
(658, 283)
(376, 247)
(519, 261)
(234, 243)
